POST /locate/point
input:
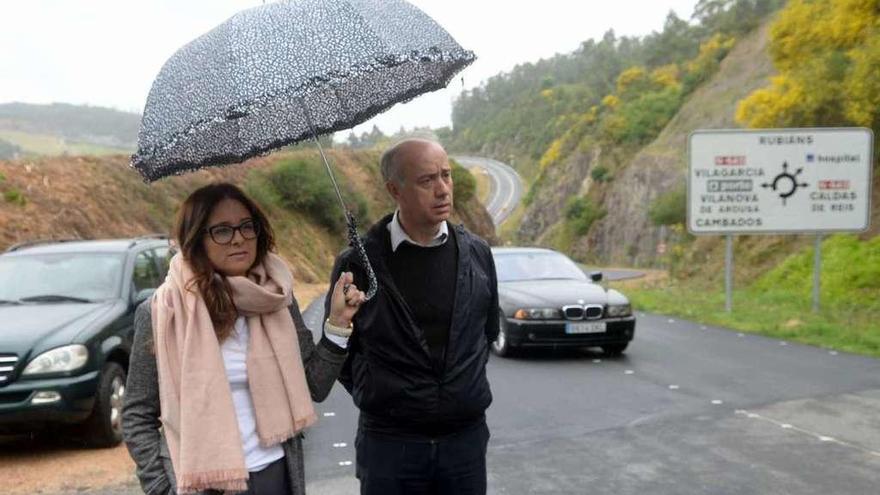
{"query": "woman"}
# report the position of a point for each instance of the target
(223, 369)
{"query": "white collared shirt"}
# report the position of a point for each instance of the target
(398, 235)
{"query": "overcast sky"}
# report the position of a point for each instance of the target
(107, 52)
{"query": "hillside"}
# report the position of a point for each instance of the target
(583, 201)
(101, 197)
(609, 188)
(627, 234)
(61, 128)
(521, 115)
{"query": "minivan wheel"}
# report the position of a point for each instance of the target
(104, 426)
(502, 346)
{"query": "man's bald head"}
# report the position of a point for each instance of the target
(418, 176)
(395, 158)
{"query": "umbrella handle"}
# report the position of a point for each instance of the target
(355, 241)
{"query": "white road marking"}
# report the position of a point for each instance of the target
(818, 436)
(673, 387)
(329, 414)
(340, 445)
(717, 402)
(597, 360)
(629, 372)
(740, 335)
(783, 343)
(704, 327)
(345, 463)
(833, 353)
(671, 320)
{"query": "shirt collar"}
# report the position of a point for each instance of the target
(398, 235)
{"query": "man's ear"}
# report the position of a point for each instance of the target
(393, 189)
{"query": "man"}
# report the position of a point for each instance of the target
(417, 354)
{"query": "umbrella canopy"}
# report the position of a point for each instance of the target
(280, 73)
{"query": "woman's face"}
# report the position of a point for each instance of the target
(235, 254)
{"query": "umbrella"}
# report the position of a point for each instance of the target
(289, 71)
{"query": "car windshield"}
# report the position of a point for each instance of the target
(512, 267)
(62, 277)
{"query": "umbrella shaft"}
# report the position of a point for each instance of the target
(323, 157)
(329, 171)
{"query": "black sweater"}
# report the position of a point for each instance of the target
(399, 386)
(425, 277)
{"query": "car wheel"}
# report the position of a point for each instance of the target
(104, 426)
(614, 349)
(502, 346)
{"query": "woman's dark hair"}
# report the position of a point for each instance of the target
(189, 234)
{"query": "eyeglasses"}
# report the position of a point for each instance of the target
(223, 234)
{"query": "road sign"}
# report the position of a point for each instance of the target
(779, 181)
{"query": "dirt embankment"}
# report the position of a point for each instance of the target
(102, 197)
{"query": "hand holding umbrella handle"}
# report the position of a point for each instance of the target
(354, 239)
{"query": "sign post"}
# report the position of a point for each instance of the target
(728, 274)
(817, 272)
(779, 181)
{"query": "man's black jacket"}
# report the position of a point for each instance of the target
(389, 371)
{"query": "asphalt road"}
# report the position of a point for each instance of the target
(506, 186)
(689, 409)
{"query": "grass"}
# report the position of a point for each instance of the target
(484, 184)
(15, 196)
(507, 231)
(779, 303)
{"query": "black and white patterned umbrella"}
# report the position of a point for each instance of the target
(284, 72)
(252, 83)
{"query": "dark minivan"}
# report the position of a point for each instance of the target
(66, 327)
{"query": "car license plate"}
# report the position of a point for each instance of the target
(585, 327)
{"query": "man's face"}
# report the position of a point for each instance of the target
(425, 197)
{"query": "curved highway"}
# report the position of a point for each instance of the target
(506, 188)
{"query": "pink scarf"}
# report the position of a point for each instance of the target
(198, 416)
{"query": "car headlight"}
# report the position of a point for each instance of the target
(537, 314)
(619, 310)
(67, 358)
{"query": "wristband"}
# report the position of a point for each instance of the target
(340, 331)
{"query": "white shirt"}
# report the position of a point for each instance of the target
(234, 350)
(398, 235)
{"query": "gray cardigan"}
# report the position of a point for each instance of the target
(140, 411)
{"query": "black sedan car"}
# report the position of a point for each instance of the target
(548, 301)
(66, 327)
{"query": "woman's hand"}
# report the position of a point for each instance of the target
(346, 300)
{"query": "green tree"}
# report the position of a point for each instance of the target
(670, 208)
(827, 53)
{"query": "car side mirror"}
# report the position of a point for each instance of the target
(142, 295)
(596, 276)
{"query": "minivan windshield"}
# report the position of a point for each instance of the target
(60, 277)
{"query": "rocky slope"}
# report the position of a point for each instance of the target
(625, 234)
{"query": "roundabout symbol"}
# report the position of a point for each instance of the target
(786, 184)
